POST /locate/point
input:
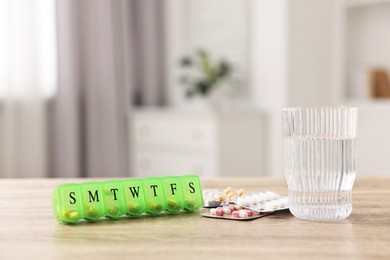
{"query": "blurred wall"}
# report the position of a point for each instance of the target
(312, 52)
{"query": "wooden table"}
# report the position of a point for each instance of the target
(29, 230)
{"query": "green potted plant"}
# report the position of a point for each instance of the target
(202, 75)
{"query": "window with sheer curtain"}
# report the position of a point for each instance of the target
(27, 79)
(69, 70)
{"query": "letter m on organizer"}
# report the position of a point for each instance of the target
(93, 197)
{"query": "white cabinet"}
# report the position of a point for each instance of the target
(364, 37)
(207, 143)
(373, 142)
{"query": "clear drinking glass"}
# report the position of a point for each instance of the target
(319, 161)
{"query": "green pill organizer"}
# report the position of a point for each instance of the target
(112, 199)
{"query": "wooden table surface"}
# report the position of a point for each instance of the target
(28, 228)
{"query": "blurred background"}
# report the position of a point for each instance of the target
(115, 88)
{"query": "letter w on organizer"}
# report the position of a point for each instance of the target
(134, 192)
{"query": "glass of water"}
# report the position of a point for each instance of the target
(319, 161)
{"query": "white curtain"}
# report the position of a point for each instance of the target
(149, 30)
(69, 73)
(93, 100)
(110, 53)
(27, 80)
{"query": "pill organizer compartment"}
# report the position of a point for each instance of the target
(153, 195)
(68, 203)
(172, 189)
(93, 205)
(113, 198)
(134, 197)
(192, 192)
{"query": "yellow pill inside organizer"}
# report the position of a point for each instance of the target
(67, 203)
(190, 190)
(155, 200)
(134, 198)
(173, 194)
(113, 199)
(92, 198)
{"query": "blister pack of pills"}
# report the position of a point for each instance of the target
(241, 205)
(233, 212)
(262, 201)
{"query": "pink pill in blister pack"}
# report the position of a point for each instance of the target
(234, 212)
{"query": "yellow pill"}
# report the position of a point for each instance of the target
(228, 190)
(241, 192)
(173, 204)
(154, 206)
(221, 198)
(73, 214)
(113, 210)
(92, 211)
(133, 207)
(232, 196)
(70, 214)
(190, 203)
